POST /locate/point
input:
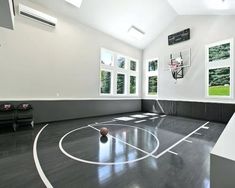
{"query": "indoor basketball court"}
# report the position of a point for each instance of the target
(113, 93)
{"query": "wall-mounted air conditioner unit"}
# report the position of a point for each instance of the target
(36, 15)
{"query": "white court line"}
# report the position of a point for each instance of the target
(145, 152)
(189, 141)
(205, 127)
(48, 184)
(153, 118)
(107, 163)
(37, 163)
(140, 121)
(173, 152)
(177, 143)
(198, 133)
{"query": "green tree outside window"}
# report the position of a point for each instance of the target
(120, 83)
(105, 82)
(132, 84)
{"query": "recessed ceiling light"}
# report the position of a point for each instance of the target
(76, 3)
(135, 32)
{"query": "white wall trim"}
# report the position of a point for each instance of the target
(110, 99)
(66, 99)
(192, 100)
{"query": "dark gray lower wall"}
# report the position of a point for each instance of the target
(218, 112)
(49, 111)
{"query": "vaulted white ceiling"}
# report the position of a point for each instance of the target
(115, 17)
(203, 7)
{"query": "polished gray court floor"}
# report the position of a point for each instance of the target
(143, 150)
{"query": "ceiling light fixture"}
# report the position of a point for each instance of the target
(76, 3)
(135, 32)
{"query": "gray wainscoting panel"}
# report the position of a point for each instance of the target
(184, 109)
(217, 112)
(49, 111)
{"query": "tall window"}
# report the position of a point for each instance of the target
(121, 84)
(132, 84)
(106, 71)
(118, 74)
(152, 76)
(133, 76)
(133, 65)
(106, 82)
(219, 68)
(121, 62)
(107, 57)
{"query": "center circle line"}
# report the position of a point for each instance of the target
(107, 163)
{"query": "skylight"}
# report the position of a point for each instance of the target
(76, 3)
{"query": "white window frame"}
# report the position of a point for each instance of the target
(220, 64)
(150, 74)
(117, 70)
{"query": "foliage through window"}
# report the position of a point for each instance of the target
(132, 65)
(121, 62)
(120, 83)
(153, 65)
(219, 52)
(219, 81)
(152, 85)
(219, 65)
(105, 82)
(132, 84)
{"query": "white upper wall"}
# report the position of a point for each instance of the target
(204, 30)
(38, 62)
(115, 17)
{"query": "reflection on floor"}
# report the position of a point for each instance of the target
(127, 152)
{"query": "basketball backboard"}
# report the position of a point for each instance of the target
(185, 55)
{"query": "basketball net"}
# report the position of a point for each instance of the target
(175, 66)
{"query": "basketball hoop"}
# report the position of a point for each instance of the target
(176, 68)
(177, 63)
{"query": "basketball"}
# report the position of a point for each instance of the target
(104, 131)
